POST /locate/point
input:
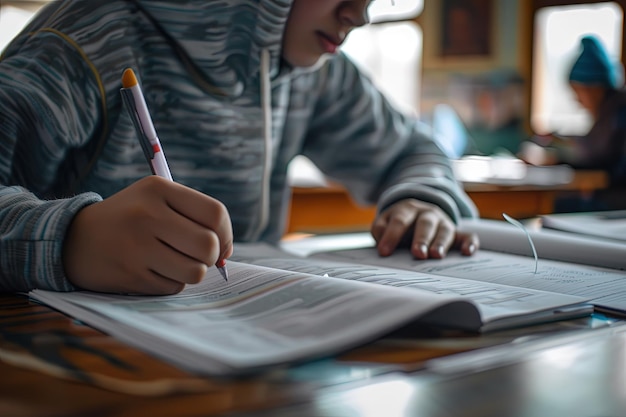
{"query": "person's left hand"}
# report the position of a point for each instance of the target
(426, 227)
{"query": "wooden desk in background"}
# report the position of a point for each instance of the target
(330, 209)
(53, 366)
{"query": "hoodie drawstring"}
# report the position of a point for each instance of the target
(266, 105)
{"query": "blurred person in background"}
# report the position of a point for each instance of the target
(597, 83)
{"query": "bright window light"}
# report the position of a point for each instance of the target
(14, 18)
(390, 54)
(388, 10)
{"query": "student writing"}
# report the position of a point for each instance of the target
(236, 90)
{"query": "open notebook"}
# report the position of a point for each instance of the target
(281, 309)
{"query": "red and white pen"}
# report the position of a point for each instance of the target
(136, 105)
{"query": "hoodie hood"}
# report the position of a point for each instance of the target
(223, 39)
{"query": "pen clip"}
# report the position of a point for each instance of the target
(129, 101)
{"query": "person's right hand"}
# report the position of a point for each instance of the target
(150, 238)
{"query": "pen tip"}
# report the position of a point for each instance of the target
(128, 78)
(221, 266)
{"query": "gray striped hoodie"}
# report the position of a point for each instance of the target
(229, 112)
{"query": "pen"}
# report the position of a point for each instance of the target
(136, 104)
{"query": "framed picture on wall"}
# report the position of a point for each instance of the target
(466, 27)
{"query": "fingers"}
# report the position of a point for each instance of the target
(176, 266)
(152, 283)
(187, 237)
(429, 230)
(201, 229)
(205, 211)
(153, 237)
(390, 227)
(432, 236)
(468, 243)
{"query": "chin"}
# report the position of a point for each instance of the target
(306, 61)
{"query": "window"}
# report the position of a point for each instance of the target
(390, 54)
(558, 31)
(389, 51)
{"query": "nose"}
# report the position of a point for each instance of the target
(354, 13)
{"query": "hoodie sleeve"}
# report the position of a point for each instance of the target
(49, 106)
(379, 154)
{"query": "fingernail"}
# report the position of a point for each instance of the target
(440, 251)
(422, 249)
(471, 248)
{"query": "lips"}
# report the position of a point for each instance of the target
(329, 43)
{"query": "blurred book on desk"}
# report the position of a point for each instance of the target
(602, 224)
(508, 170)
(502, 170)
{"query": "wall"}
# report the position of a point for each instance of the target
(488, 88)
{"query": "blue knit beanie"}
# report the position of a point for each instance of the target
(593, 66)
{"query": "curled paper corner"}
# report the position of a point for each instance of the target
(516, 223)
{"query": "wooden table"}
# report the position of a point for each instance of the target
(53, 366)
(330, 208)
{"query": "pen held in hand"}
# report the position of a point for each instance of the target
(136, 104)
